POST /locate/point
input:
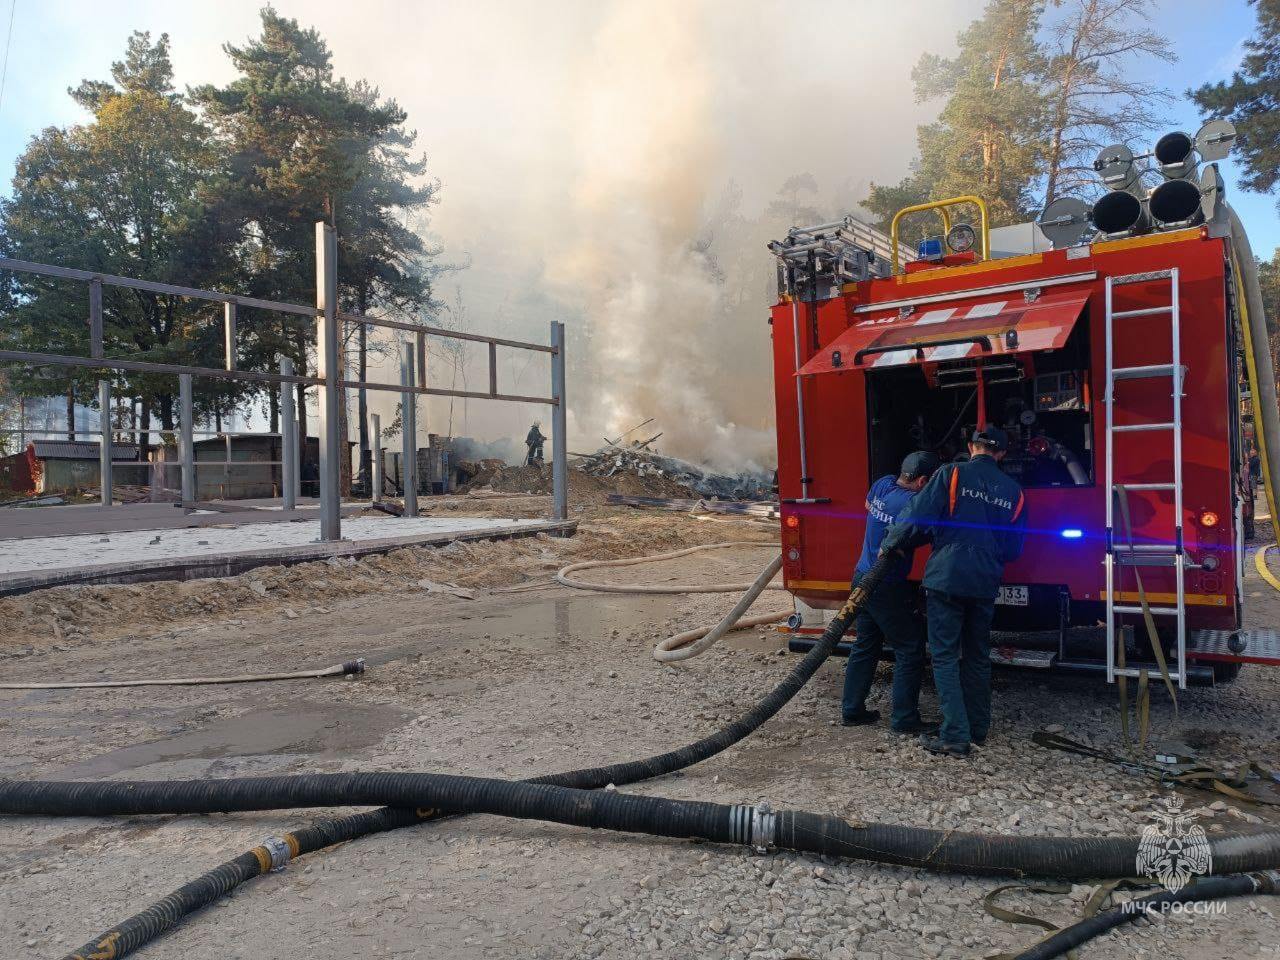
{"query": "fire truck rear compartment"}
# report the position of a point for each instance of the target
(1041, 398)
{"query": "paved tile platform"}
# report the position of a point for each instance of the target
(133, 556)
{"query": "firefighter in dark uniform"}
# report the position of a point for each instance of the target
(976, 517)
(533, 441)
(890, 610)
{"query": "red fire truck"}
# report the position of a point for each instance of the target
(1108, 343)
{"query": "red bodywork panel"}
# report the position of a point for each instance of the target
(820, 552)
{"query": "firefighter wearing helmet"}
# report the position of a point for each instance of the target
(975, 515)
(533, 441)
(890, 611)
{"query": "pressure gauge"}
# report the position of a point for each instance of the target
(961, 237)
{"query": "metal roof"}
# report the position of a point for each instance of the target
(81, 450)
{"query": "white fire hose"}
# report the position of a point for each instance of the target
(691, 643)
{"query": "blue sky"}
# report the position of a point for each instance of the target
(579, 143)
(55, 43)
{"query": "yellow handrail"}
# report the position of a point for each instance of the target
(941, 206)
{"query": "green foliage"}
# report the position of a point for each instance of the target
(122, 194)
(1269, 280)
(1251, 100)
(1030, 98)
(987, 140)
(224, 198)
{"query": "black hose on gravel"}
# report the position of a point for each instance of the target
(941, 850)
(143, 927)
(1211, 888)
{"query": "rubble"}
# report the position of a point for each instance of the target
(612, 459)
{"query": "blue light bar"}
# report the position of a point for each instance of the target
(1072, 533)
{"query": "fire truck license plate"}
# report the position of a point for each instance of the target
(1012, 596)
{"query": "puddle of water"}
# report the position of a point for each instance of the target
(537, 624)
(306, 728)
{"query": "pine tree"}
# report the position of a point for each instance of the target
(122, 194)
(989, 137)
(1251, 100)
(306, 146)
(1095, 95)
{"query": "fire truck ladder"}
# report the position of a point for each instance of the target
(1130, 553)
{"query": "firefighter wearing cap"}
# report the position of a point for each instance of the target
(976, 516)
(890, 611)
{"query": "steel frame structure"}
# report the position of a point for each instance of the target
(329, 380)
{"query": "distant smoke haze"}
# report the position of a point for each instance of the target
(585, 149)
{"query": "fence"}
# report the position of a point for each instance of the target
(328, 381)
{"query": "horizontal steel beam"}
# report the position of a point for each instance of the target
(443, 332)
(144, 366)
(151, 286)
(440, 392)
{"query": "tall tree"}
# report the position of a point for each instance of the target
(120, 194)
(306, 145)
(1095, 96)
(989, 138)
(1251, 100)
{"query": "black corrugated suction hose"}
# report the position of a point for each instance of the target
(1210, 888)
(144, 927)
(942, 850)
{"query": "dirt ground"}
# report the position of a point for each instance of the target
(517, 683)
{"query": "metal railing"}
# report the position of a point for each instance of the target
(328, 380)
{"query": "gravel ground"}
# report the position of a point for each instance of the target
(514, 684)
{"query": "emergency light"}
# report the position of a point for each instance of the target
(930, 248)
(1071, 533)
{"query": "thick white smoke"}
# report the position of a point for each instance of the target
(648, 157)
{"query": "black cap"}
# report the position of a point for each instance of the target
(920, 463)
(992, 437)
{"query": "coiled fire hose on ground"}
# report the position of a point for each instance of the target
(690, 643)
(58, 799)
(562, 577)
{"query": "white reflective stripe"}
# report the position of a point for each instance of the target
(986, 309)
(936, 316)
(951, 351)
(895, 358)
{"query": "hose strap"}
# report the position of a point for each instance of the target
(278, 849)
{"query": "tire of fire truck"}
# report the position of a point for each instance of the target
(1225, 672)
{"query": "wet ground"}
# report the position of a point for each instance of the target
(517, 684)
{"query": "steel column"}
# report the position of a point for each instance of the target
(104, 441)
(229, 334)
(559, 428)
(376, 472)
(288, 439)
(104, 392)
(408, 432)
(330, 370)
(186, 441)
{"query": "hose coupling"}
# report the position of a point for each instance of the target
(764, 827)
(1266, 881)
(279, 851)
